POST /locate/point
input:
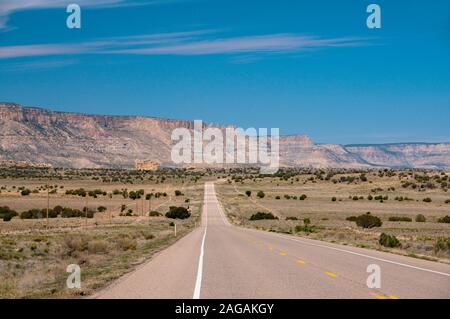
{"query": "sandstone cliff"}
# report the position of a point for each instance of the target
(62, 139)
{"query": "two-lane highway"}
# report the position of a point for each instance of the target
(219, 260)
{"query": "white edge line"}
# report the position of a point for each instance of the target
(198, 281)
(346, 251)
(361, 255)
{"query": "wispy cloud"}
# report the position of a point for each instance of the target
(202, 42)
(36, 65)
(8, 7)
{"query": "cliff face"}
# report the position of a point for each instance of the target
(78, 140)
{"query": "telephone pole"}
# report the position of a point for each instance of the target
(86, 213)
(48, 205)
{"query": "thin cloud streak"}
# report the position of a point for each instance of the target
(8, 7)
(185, 43)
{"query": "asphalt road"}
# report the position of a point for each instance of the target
(219, 260)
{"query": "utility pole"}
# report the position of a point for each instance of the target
(86, 213)
(48, 205)
(143, 202)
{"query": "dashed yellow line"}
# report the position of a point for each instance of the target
(393, 297)
(282, 253)
(331, 274)
(301, 262)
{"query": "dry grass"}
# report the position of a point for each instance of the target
(33, 259)
(329, 217)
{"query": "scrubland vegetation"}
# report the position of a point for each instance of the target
(105, 221)
(403, 211)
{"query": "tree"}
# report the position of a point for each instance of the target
(260, 194)
(178, 213)
(248, 193)
(368, 221)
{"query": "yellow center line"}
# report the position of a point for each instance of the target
(301, 262)
(393, 297)
(282, 253)
(331, 274)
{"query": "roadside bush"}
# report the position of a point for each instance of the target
(400, 219)
(25, 192)
(75, 244)
(178, 193)
(368, 221)
(261, 194)
(420, 218)
(147, 235)
(427, 200)
(351, 218)
(101, 209)
(303, 197)
(333, 199)
(306, 227)
(442, 244)
(389, 241)
(154, 213)
(248, 193)
(126, 243)
(445, 219)
(262, 215)
(97, 246)
(178, 213)
(6, 213)
(291, 218)
(277, 197)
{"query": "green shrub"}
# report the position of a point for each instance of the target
(351, 218)
(400, 219)
(442, 244)
(262, 215)
(389, 241)
(178, 193)
(306, 227)
(154, 213)
(291, 218)
(333, 199)
(260, 194)
(6, 213)
(445, 219)
(178, 213)
(420, 218)
(25, 192)
(368, 221)
(101, 209)
(277, 197)
(248, 193)
(427, 200)
(303, 197)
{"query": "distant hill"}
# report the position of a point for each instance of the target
(62, 139)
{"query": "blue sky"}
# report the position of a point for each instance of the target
(307, 67)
